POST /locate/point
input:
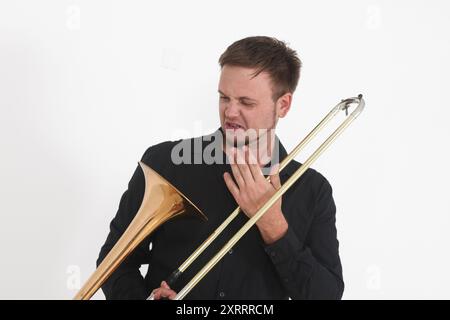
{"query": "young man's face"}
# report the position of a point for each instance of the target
(246, 103)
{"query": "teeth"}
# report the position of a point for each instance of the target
(234, 126)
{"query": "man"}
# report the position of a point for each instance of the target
(291, 252)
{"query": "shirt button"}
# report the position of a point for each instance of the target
(222, 294)
(231, 251)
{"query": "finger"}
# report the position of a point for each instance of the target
(156, 294)
(165, 285)
(167, 293)
(255, 169)
(236, 172)
(172, 295)
(231, 185)
(229, 151)
(275, 177)
(243, 167)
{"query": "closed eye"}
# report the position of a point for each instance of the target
(246, 103)
(241, 101)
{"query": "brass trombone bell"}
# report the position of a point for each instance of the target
(161, 202)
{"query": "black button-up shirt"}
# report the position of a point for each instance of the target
(303, 264)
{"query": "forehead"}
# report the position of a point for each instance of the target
(239, 81)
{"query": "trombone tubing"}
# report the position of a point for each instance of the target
(343, 105)
(339, 107)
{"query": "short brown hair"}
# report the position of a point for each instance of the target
(266, 54)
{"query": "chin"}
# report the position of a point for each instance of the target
(236, 140)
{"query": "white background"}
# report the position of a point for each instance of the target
(87, 86)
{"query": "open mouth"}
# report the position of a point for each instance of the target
(233, 126)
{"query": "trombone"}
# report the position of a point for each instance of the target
(169, 202)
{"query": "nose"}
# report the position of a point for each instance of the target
(231, 110)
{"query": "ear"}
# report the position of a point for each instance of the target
(284, 104)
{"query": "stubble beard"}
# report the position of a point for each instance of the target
(261, 141)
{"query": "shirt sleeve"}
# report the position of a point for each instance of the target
(311, 269)
(126, 282)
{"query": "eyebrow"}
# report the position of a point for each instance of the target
(244, 97)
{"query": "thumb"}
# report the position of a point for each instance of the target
(275, 177)
(165, 285)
